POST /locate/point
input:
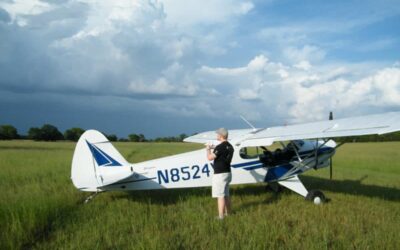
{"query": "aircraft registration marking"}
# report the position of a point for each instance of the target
(183, 173)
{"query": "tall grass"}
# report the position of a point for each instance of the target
(40, 208)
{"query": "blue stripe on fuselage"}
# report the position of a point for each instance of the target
(245, 164)
(252, 167)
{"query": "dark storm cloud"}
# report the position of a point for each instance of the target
(65, 50)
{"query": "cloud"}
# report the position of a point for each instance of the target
(4, 16)
(305, 53)
(307, 93)
(162, 87)
(304, 65)
(106, 49)
(248, 94)
(369, 93)
(17, 9)
(109, 48)
(123, 50)
(191, 12)
(189, 59)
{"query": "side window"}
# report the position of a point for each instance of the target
(299, 143)
(256, 152)
(249, 152)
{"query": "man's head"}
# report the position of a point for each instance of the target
(222, 134)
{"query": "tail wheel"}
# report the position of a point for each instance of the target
(316, 196)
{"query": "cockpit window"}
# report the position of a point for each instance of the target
(299, 143)
(276, 154)
(249, 153)
(256, 152)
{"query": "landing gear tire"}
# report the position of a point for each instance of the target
(316, 196)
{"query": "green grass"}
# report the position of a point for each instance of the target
(40, 208)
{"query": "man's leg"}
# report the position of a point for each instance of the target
(221, 207)
(227, 197)
(227, 205)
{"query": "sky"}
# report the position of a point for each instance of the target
(168, 67)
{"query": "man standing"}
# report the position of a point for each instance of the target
(222, 156)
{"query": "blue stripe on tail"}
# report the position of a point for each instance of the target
(102, 159)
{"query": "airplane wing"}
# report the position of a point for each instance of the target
(210, 136)
(355, 126)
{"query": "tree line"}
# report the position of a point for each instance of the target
(49, 132)
(395, 136)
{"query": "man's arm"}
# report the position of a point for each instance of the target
(210, 155)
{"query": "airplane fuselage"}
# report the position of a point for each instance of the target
(192, 169)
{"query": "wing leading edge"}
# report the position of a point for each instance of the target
(354, 126)
(210, 136)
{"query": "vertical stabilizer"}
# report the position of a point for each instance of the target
(96, 163)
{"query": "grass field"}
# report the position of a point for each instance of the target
(40, 208)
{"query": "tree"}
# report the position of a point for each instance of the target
(73, 134)
(46, 133)
(51, 133)
(182, 136)
(134, 137)
(137, 138)
(35, 134)
(112, 137)
(8, 132)
(142, 138)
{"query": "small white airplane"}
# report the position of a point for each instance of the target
(97, 166)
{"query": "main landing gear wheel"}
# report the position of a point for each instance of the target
(316, 196)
